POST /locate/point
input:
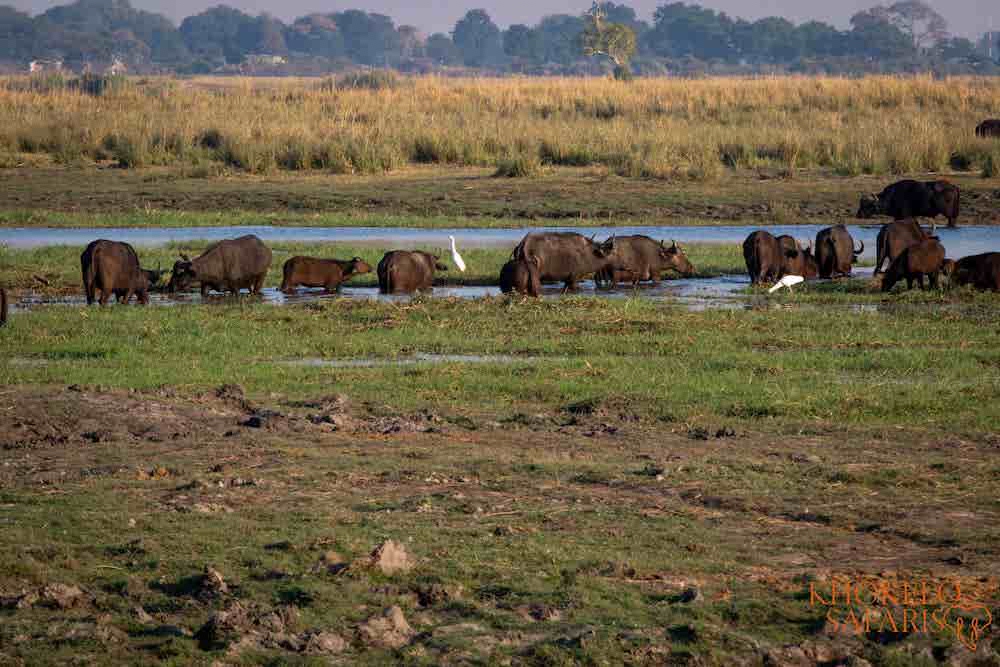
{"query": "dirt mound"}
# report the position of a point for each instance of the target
(389, 557)
(386, 630)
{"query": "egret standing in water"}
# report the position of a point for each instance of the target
(459, 262)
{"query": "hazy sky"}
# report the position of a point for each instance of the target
(968, 18)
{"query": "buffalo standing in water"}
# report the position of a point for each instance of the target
(3, 306)
(913, 199)
(925, 258)
(894, 238)
(643, 258)
(406, 271)
(226, 266)
(567, 257)
(769, 258)
(113, 268)
(326, 273)
(521, 276)
(981, 271)
(835, 252)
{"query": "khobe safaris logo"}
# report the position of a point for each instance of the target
(906, 605)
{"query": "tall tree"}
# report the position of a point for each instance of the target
(612, 40)
(874, 35)
(924, 26)
(478, 39)
(520, 41)
(689, 30)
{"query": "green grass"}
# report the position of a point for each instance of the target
(848, 432)
(782, 365)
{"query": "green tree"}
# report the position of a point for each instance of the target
(924, 26)
(442, 50)
(612, 40)
(520, 41)
(478, 39)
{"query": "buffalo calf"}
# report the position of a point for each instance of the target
(327, 273)
(925, 258)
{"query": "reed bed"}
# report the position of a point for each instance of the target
(663, 128)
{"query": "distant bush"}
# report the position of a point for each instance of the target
(379, 79)
(518, 167)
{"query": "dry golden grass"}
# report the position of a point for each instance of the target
(650, 127)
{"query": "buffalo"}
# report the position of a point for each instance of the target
(405, 271)
(763, 256)
(226, 266)
(925, 258)
(113, 268)
(796, 261)
(913, 199)
(835, 251)
(521, 276)
(894, 238)
(980, 271)
(3, 306)
(326, 273)
(567, 257)
(988, 128)
(643, 258)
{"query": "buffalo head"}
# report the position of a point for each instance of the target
(182, 276)
(869, 207)
(358, 266)
(438, 264)
(675, 258)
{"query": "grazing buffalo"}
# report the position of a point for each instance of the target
(405, 271)
(835, 252)
(912, 199)
(980, 271)
(894, 238)
(3, 306)
(797, 262)
(327, 273)
(988, 128)
(566, 256)
(925, 258)
(643, 258)
(521, 276)
(226, 266)
(113, 268)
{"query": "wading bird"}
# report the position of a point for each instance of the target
(787, 281)
(459, 262)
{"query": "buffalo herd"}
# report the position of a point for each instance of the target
(111, 268)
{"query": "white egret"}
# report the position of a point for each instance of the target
(787, 281)
(459, 262)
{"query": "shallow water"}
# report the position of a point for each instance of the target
(959, 242)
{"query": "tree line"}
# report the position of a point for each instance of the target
(905, 32)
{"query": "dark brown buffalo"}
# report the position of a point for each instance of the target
(980, 271)
(797, 261)
(988, 128)
(918, 260)
(327, 273)
(567, 257)
(405, 271)
(521, 276)
(763, 256)
(643, 258)
(835, 252)
(913, 199)
(113, 268)
(3, 306)
(226, 266)
(894, 238)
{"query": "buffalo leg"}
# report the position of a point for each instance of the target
(204, 290)
(104, 297)
(932, 278)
